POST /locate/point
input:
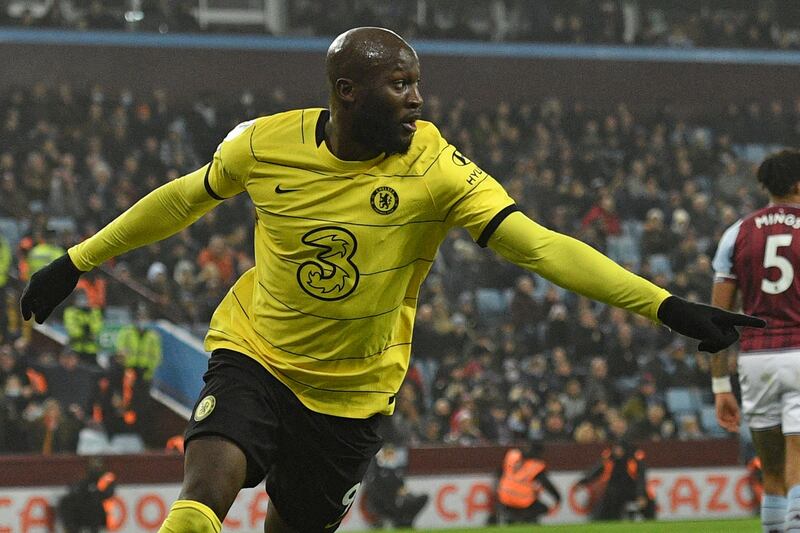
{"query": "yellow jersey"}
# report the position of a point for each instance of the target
(341, 250)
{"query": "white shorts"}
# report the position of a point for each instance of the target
(771, 390)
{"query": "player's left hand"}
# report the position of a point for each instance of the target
(727, 411)
(715, 328)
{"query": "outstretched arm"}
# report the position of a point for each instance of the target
(163, 212)
(575, 266)
(580, 268)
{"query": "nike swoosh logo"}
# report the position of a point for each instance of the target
(283, 191)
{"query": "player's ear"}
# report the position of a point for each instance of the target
(344, 89)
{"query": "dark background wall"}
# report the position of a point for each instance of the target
(697, 86)
(40, 470)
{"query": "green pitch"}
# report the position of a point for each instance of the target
(707, 526)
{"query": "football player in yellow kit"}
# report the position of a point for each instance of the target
(310, 346)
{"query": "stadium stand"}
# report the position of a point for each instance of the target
(495, 358)
(765, 24)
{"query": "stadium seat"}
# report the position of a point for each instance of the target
(681, 400)
(12, 229)
(93, 442)
(117, 314)
(660, 264)
(61, 224)
(126, 443)
(491, 303)
(751, 152)
(623, 249)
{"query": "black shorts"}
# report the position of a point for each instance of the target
(313, 463)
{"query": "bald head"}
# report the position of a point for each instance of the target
(375, 99)
(358, 53)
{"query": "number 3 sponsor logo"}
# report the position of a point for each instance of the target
(332, 275)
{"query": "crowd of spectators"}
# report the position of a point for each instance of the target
(498, 354)
(765, 24)
(58, 401)
(140, 15)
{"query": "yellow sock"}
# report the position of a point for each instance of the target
(187, 516)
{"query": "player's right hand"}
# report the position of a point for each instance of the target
(727, 411)
(49, 287)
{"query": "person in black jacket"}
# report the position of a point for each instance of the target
(621, 477)
(83, 508)
(387, 497)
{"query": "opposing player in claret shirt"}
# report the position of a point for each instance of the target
(758, 258)
(310, 346)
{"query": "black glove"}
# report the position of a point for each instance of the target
(715, 328)
(49, 287)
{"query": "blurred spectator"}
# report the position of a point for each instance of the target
(140, 345)
(573, 400)
(617, 425)
(120, 401)
(603, 217)
(94, 284)
(623, 360)
(175, 444)
(14, 380)
(464, 429)
(428, 345)
(555, 427)
(50, 430)
(44, 251)
(598, 389)
(655, 426)
(689, 427)
(159, 281)
(84, 507)
(387, 497)
(587, 336)
(620, 480)
(83, 324)
(678, 368)
(211, 290)
(558, 330)
(525, 310)
(69, 382)
(587, 433)
(9, 438)
(522, 481)
(5, 261)
(407, 428)
(563, 370)
(435, 426)
(755, 482)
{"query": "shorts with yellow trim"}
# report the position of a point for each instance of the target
(313, 463)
